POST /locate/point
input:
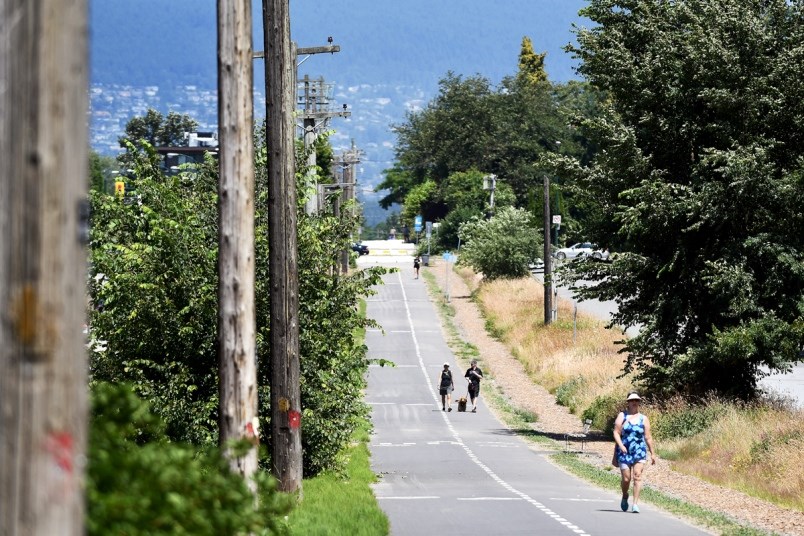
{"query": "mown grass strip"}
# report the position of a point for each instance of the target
(720, 523)
(344, 504)
(519, 422)
(517, 419)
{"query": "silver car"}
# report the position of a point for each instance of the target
(582, 249)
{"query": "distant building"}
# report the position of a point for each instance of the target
(201, 139)
(198, 145)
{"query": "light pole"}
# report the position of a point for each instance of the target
(490, 183)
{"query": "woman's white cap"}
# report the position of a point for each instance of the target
(446, 364)
(633, 396)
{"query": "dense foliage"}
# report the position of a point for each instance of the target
(699, 178)
(502, 246)
(471, 129)
(139, 483)
(154, 314)
(159, 130)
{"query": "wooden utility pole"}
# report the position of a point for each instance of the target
(44, 228)
(280, 69)
(348, 162)
(548, 275)
(236, 312)
(314, 96)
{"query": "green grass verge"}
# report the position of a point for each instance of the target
(341, 504)
(519, 420)
(516, 418)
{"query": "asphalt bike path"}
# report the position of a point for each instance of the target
(445, 473)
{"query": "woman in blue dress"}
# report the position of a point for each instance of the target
(634, 442)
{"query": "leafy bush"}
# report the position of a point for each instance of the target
(680, 419)
(566, 393)
(154, 308)
(154, 295)
(141, 484)
(501, 247)
(603, 412)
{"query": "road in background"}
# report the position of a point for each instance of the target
(790, 385)
(450, 473)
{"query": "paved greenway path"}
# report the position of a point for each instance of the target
(464, 473)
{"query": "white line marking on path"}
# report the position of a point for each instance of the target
(398, 404)
(408, 498)
(579, 500)
(489, 498)
(472, 456)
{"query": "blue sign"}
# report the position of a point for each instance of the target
(417, 224)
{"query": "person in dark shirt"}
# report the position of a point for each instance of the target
(445, 388)
(473, 376)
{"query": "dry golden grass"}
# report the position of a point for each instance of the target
(756, 450)
(515, 312)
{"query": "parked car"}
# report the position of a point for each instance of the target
(360, 249)
(583, 249)
(536, 266)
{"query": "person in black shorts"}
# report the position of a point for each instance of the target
(474, 375)
(417, 262)
(445, 388)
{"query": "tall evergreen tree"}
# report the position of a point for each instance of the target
(531, 65)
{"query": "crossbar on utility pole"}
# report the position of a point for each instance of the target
(236, 310)
(348, 161)
(306, 51)
(44, 229)
(316, 113)
(280, 69)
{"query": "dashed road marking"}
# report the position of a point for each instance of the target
(472, 456)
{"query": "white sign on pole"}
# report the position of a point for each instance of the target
(557, 219)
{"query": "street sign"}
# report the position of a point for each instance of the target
(429, 228)
(119, 188)
(417, 224)
(557, 219)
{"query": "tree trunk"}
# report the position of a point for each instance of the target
(43, 233)
(236, 314)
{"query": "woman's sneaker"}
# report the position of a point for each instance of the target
(635, 509)
(624, 504)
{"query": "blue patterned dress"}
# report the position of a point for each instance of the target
(633, 437)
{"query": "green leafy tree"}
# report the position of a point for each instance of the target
(500, 247)
(154, 314)
(699, 180)
(422, 199)
(159, 130)
(100, 172)
(503, 130)
(154, 291)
